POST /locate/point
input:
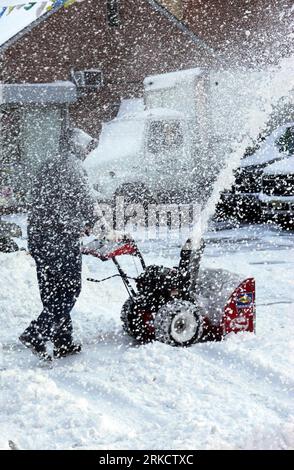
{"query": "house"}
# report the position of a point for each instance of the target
(106, 47)
(111, 45)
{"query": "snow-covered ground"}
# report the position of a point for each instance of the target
(236, 394)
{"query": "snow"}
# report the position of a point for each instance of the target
(236, 394)
(130, 106)
(283, 167)
(272, 87)
(81, 138)
(150, 114)
(18, 19)
(265, 198)
(118, 139)
(268, 151)
(56, 92)
(123, 137)
(171, 79)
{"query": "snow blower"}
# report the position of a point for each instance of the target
(171, 306)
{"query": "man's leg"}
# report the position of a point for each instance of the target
(48, 287)
(68, 290)
(60, 286)
(38, 332)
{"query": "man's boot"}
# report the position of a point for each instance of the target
(64, 346)
(33, 339)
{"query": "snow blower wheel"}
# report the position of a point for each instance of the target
(178, 323)
(137, 322)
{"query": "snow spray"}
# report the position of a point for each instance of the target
(276, 86)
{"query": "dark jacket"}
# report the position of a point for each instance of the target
(60, 205)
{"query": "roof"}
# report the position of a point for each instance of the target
(14, 25)
(150, 114)
(195, 39)
(41, 93)
(171, 79)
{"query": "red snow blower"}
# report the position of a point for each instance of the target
(171, 305)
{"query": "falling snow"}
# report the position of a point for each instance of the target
(109, 112)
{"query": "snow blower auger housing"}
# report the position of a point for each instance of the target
(167, 305)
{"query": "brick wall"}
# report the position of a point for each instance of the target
(246, 32)
(145, 42)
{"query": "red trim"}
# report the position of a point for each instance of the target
(239, 312)
(127, 249)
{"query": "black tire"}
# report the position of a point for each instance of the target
(134, 322)
(125, 316)
(179, 323)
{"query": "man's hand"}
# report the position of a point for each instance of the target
(87, 230)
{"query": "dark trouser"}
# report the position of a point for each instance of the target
(60, 286)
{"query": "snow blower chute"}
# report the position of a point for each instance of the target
(165, 305)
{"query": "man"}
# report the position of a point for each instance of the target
(60, 206)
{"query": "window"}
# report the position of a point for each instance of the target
(164, 136)
(41, 129)
(113, 12)
(28, 135)
(90, 79)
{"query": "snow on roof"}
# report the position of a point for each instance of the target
(268, 151)
(171, 79)
(12, 21)
(31, 93)
(123, 137)
(130, 106)
(133, 109)
(153, 113)
(283, 167)
(118, 139)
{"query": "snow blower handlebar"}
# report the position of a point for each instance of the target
(109, 249)
(106, 250)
